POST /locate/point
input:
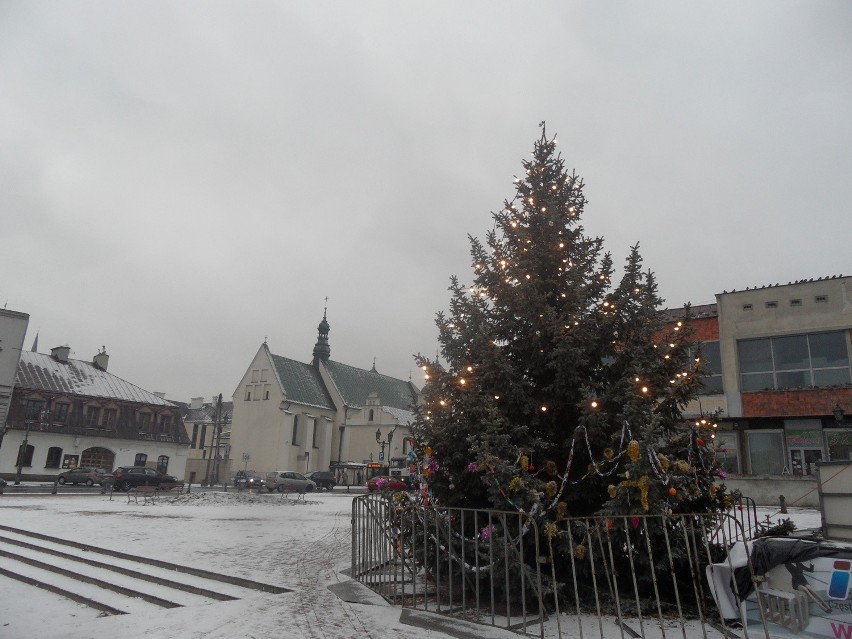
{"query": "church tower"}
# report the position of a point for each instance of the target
(322, 350)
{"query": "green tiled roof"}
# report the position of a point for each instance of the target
(302, 383)
(355, 384)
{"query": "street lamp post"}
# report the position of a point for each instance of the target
(22, 451)
(383, 443)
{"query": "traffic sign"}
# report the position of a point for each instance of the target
(382, 456)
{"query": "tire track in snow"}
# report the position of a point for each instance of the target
(317, 605)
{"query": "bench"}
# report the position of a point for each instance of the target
(177, 485)
(148, 494)
(300, 494)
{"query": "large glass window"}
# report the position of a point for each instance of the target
(766, 452)
(794, 361)
(712, 359)
(140, 460)
(727, 451)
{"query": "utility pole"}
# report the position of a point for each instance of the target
(218, 433)
(214, 441)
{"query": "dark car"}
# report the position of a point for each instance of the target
(383, 482)
(322, 478)
(248, 479)
(126, 477)
(84, 475)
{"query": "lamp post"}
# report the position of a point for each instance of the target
(383, 443)
(22, 451)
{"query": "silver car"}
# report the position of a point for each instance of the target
(84, 475)
(289, 481)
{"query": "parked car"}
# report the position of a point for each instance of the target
(248, 479)
(322, 478)
(85, 475)
(126, 477)
(383, 482)
(289, 481)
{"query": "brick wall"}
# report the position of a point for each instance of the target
(796, 403)
(706, 328)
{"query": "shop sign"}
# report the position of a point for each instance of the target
(804, 438)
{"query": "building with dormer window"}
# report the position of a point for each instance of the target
(66, 413)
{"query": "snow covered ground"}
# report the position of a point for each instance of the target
(299, 545)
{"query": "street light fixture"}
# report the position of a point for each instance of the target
(384, 443)
(22, 451)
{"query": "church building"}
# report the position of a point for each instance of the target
(291, 415)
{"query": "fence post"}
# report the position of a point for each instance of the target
(783, 504)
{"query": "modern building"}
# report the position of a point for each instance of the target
(778, 362)
(13, 330)
(291, 415)
(66, 413)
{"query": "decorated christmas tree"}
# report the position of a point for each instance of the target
(558, 391)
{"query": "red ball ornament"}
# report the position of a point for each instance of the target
(699, 441)
(672, 491)
(740, 507)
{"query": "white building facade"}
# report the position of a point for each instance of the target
(290, 415)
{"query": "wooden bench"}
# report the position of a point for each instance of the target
(148, 493)
(177, 485)
(300, 494)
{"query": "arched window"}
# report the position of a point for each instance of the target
(97, 457)
(371, 415)
(54, 457)
(27, 458)
(140, 460)
(162, 463)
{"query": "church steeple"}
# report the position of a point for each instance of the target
(322, 350)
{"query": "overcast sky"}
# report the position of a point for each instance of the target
(180, 180)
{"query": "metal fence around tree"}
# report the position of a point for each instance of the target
(631, 576)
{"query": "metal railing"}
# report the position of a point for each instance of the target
(457, 561)
(628, 576)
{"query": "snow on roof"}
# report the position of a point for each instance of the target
(75, 377)
(403, 417)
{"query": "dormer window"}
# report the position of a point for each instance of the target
(93, 416)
